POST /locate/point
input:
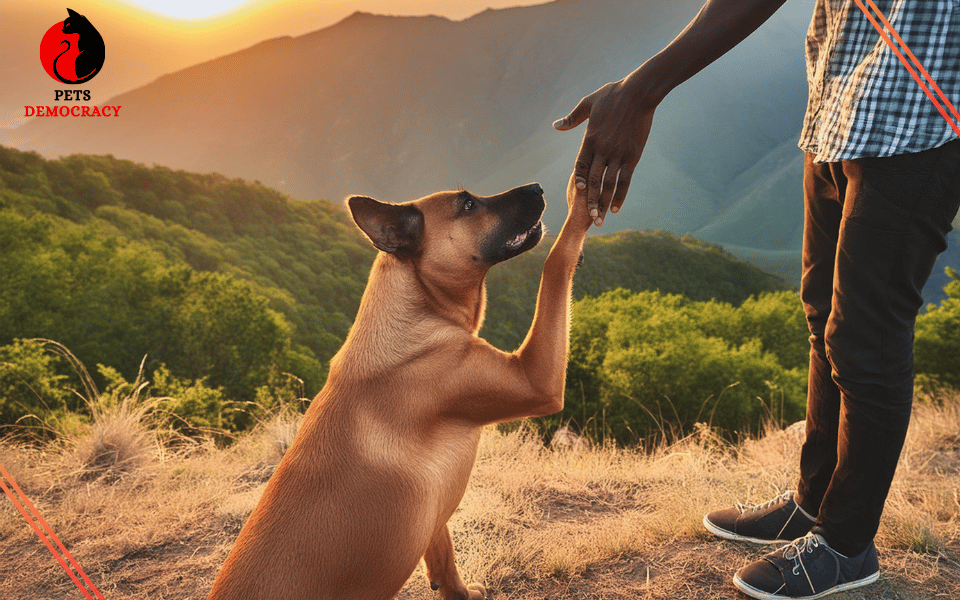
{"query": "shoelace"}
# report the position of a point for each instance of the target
(795, 552)
(784, 497)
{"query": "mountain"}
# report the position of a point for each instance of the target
(397, 107)
(142, 45)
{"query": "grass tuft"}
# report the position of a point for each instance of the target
(280, 429)
(118, 442)
(119, 439)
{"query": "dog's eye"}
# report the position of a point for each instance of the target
(469, 204)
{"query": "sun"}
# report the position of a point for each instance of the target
(189, 9)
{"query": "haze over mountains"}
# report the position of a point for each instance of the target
(143, 45)
(399, 107)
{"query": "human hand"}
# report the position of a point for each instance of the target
(619, 124)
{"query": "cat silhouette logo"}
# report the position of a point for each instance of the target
(72, 50)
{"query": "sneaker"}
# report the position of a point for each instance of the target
(778, 520)
(806, 569)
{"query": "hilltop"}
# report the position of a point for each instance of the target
(571, 521)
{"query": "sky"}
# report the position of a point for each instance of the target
(187, 9)
(207, 9)
(146, 39)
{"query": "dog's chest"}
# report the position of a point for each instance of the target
(435, 457)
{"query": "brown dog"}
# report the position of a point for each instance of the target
(385, 450)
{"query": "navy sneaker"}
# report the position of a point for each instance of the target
(780, 520)
(806, 569)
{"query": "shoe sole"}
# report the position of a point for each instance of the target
(729, 535)
(753, 592)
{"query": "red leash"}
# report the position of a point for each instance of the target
(926, 76)
(32, 516)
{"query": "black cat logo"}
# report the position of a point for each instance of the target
(90, 44)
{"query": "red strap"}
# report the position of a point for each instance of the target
(23, 504)
(953, 124)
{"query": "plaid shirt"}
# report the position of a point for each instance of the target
(863, 101)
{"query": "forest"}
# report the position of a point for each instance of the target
(228, 298)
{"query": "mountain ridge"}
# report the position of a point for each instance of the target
(464, 97)
(398, 107)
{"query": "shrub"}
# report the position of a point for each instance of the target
(192, 406)
(937, 339)
(655, 364)
(29, 383)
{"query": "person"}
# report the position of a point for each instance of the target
(881, 187)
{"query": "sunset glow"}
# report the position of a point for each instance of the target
(187, 9)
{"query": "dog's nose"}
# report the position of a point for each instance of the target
(535, 188)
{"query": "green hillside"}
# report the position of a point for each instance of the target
(238, 296)
(232, 286)
(117, 260)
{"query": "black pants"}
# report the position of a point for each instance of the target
(873, 228)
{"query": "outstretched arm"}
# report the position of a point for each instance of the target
(621, 113)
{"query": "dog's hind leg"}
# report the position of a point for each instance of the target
(442, 570)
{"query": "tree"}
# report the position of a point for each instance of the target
(937, 338)
(222, 332)
(30, 383)
(648, 363)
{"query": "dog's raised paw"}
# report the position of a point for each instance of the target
(477, 591)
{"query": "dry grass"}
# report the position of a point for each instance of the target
(579, 522)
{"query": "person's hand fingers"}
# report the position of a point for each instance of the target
(606, 191)
(579, 114)
(612, 144)
(623, 184)
(581, 168)
(594, 182)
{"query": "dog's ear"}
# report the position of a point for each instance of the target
(394, 228)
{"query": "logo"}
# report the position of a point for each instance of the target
(72, 51)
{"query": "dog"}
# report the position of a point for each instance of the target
(385, 450)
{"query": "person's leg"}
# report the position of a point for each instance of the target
(896, 215)
(824, 188)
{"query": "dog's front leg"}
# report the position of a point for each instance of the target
(528, 382)
(543, 355)
(442, 570)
